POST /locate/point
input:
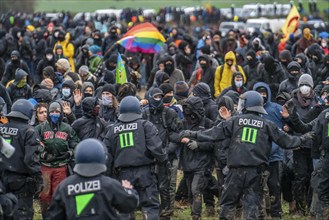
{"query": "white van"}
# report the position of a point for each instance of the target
(225, 26)
(263, 24)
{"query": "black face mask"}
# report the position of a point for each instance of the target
(156, 104)
(250, 62)
(284, 63)
(265, 99)
(169, 68)
(256, 46)
(85, 94)
(167, 99)
(191, 119)
(15, 62)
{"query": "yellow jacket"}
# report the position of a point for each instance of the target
(68, 50)
(223, 78)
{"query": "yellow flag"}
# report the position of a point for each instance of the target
(291, 24)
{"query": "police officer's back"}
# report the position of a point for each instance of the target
(135, 147)
(88, 194)
(248, 154)
(23, 178)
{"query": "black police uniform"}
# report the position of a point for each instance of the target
(98, 198)
(248, 153)
(24, 174)
(135, 146)
(88, 194)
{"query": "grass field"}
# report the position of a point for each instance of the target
(92, 5)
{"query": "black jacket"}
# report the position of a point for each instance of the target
(89, 127)
(26, 141)
(99, 198)
(134, 144)
(247, 133)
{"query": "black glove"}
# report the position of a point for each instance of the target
(307, 137)
(64, 155)
(192, 145)
(291, 108)
(38, 180)
(49, 158)
(188, 134)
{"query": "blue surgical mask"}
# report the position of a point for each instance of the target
(66, 92)
(107, 101)
(54, 117)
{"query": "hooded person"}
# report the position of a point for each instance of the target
(67, 47)
(237, 85)
(290, 84)
(19, 89)
(94, 58)
(169, 68)
(202, 90)
(285, 58)
(108, 104)
(224, 73)
(203, 74)
(305, 41)
(66, 93)
(169, 99)
(161, 77)
(316, 64)
(273, 114)
(272, 74)
(252, 69)
(11, 67)
(59, 141)
(111, 62)
(86, 75)
(90, 125)
(47, 60)
(88, 89)
(196, 157)
(324, 73)
(184, 59)
(181, 91)
(256, 45)
(303, 61)
(110, 41)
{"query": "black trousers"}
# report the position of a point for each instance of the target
(244, 182)
(274, 187)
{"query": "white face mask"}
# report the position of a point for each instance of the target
(238, 83)
(305, 89)
(49, 56)
(324, 44)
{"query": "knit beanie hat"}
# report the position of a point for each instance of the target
(54, 106)
(202, 90)
(109, 88)
(305, 79)
(181, 89)
(166, 88)
(63, 63)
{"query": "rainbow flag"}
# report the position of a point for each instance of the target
(143, 38)
(120, 72)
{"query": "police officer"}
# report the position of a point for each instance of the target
(8, 201)
(23, 178)
(168, 124)
(248, 154)
(135, 146)
(88, 194)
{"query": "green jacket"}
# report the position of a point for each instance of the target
(57, 140)
(93, 63)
